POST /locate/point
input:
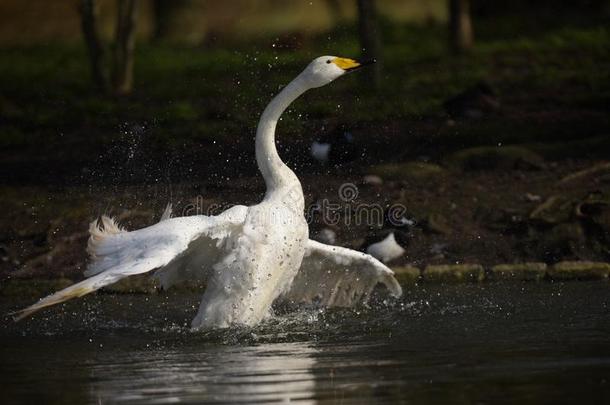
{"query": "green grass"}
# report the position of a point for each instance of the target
(189, 94)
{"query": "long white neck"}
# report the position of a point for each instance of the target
(278, 177)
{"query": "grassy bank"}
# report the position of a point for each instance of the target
(68, 153)
(553, 89)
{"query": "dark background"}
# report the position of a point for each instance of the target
(496, 140)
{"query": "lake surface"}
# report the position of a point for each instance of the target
(490, 343)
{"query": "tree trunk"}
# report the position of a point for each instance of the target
(168, 15)
(369, 39)
(162, 10)
(124, 46)
(89, 15)
(460, 25)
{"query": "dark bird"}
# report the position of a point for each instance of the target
(336, 147)
(391, 241)
(473, 103)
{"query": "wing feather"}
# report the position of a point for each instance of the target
(337, 276)
(117, 254)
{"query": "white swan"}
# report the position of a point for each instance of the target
(248, 256)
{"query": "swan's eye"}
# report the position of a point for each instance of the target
(328, 61)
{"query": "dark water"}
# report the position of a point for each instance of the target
(490, 343)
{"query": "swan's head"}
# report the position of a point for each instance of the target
(325, 69)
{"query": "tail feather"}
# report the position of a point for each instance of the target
(98, 233)
(167, 213)
(117, 254)
(98, 248)
(76, 290)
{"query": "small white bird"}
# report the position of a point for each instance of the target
(327, 236)
(336, 148)
(392, 240)
(247, 256)
(386, 249)
(320, 151)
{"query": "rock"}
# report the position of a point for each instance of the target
(407, 275)
(506, 220)
(453, 273)
(407, 170)
(496, 158)
(593, 212)
(567, 239)
(372, 180)
(519, 271)
(553, 210)
(598, 170)
(596, 208)
(579, 270)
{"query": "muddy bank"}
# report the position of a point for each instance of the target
(549, 213)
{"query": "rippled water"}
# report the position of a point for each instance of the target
(488, 343)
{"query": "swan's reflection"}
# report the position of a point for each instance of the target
(278, 372)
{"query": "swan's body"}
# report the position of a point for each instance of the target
(248, 256)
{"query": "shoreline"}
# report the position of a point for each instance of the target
(408, 276)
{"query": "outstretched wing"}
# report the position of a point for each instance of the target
(117, 254)
(337, 276)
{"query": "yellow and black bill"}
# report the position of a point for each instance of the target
(350, 65)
